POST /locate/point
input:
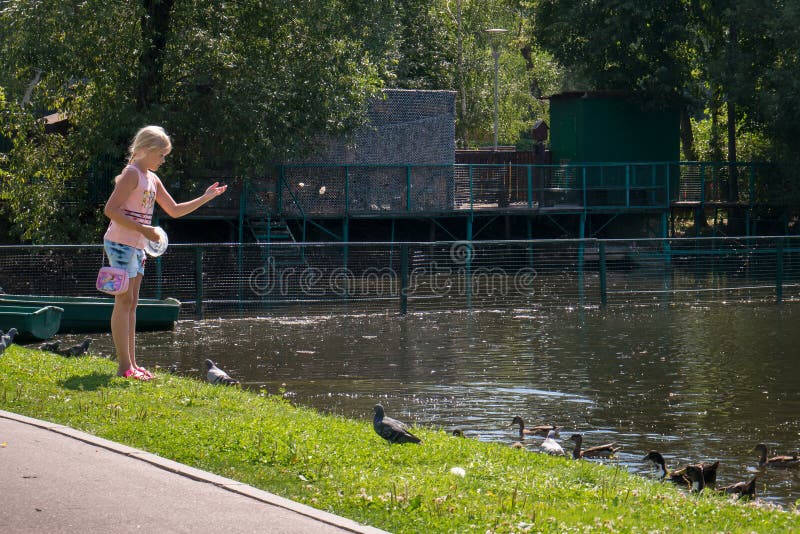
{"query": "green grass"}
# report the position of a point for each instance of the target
(342, 466)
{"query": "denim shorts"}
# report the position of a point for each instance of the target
(125, 257)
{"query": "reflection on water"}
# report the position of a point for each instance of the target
(702, 383)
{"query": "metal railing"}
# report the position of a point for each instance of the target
(240, 279)
(403, 190)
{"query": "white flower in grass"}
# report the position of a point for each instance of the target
(458, 471)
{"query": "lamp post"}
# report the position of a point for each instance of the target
(495, 34)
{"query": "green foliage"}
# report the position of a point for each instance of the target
(342, 466)
(525, 72)
(635, 46)
(721, 61)
(239, 85)
(40, 189)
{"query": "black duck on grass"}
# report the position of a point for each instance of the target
(598, 451)
(216, 375)
(390, 429)
(458, 433)
(678, 476)
(540, 430)
(782, 461)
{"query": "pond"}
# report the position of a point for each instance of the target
(696, 383)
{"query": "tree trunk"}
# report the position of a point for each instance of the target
(736, 215)
(733, 182)
(687, 137)
(457, 18)
(155, 27)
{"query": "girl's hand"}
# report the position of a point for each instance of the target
(215, 190)
(149, 232)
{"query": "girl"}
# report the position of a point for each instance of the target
(130, 208)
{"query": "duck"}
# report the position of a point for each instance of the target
(540, 430)
(458, 433)
(551, 446)
(695, 477)
(780, 461)
(744, 490)
(598, 451)
(390, 429)
(679, 476)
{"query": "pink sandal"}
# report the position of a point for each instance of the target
(134, 373)
(145, 372)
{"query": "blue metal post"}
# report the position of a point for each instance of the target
(530, 189)
(403, 279)
(627, 186)
(239, 251)
(159, 272)
(408, 187)
(583, 186)
(752, 196)
(346, 191)
(471, 192)
(279, 193)
(529, 228)
(581, 250)
(468, 264)
(603, 291)
(779, 271)
(198, 282)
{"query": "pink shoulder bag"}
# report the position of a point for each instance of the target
(112, 280)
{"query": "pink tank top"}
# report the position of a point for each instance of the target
(138, 207)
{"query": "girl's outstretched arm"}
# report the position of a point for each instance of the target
(113, 209)
(175, 210)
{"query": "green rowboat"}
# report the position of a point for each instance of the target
(33, 323)
(93, 314)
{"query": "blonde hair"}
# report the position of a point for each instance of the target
(149, 138)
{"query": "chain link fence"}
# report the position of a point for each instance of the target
(217, 280)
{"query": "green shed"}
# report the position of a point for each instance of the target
(605, 128)
(608, 127)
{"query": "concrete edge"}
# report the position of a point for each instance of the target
(197, 474)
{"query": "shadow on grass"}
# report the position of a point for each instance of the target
(92, 382)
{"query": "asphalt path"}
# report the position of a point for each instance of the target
(59, 480)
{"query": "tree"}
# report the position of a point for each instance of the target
(239, 85)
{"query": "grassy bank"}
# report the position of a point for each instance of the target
(342, 466)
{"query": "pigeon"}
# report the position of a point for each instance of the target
(7, 339)
(390, 429)
(76, 350)
(218, 376)
(551, 446)
(51, 346)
